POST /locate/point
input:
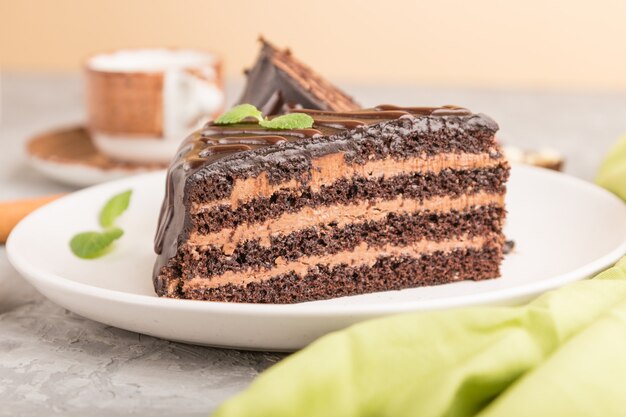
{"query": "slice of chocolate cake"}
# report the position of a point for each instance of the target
(278, 83)
(365, 201)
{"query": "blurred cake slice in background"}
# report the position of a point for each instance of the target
(278, 82)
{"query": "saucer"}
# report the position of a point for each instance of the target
(67, 155)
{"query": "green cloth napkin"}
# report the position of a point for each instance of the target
(563, 354)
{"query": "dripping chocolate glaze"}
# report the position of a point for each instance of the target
(226, 147)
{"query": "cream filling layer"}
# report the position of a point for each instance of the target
(328, 169)
(359, 256)
(341, 214)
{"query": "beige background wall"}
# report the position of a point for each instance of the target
(570, 44)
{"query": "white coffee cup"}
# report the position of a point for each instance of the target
(143, 102)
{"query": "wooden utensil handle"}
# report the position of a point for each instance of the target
(11, 212)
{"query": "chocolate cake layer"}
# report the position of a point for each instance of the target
(249, 210)
(278, 83)
(395, 228)
(339, 215)
(362, 254)
(331, 168)
(387, 273)
(412, 186)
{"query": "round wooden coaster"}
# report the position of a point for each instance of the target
(68, 155)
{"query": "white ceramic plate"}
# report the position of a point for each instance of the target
(565, 229)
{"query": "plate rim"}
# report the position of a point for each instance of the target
(42, 278)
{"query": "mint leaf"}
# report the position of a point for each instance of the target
(239, 113)
(90, 245)
(288, 121)
(114, 208)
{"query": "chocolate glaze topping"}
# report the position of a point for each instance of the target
(278, 83)
(229, 151)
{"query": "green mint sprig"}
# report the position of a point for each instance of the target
(285, 122)
(238, 114)
(94, 244)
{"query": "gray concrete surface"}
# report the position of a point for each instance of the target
(53, 362)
